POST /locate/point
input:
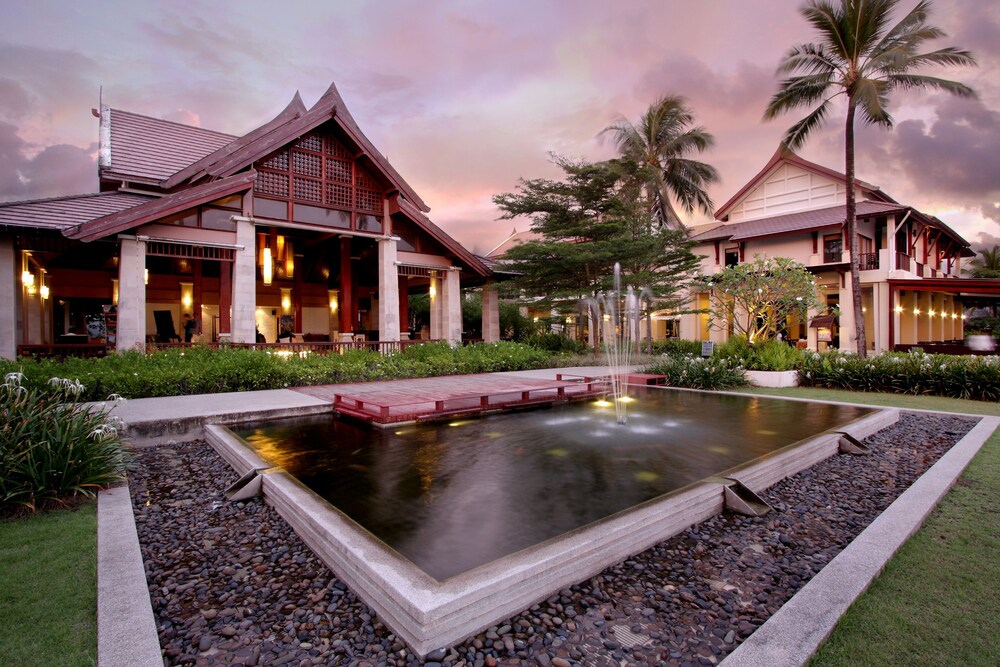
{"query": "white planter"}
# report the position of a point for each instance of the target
(773, 378)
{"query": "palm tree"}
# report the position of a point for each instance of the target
(861, 57)
(987, 264)
(660, 146)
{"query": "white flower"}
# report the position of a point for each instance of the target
(117, 398)
(13, 378)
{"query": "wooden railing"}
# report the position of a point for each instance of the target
(902, 261)
(63, 350)
(867, 261)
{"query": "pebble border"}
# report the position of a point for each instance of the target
(793, 634)
(127, 632)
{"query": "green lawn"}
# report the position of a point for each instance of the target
(937, 603)
(48, 596)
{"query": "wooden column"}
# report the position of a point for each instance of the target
(197, 297)
(404, 308)
(346, 306)
(225, 299)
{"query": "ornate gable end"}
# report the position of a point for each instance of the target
(788, 188)
(320, 179)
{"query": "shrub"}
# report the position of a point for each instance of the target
(913, 372)
(693, 372)
(556, 343)
(677, 346)
(51, 448)
(202, 370)
(769, 355)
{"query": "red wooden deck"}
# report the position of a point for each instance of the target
(394, 401)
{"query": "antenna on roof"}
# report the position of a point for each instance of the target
(100, 102)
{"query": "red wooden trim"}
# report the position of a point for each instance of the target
(815, 236)
(346, 304)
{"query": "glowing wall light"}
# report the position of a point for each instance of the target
(114, 291)
(27, 279)
(267, 267)
(333, 300)
(289, 259)
(286, 299)
(187, 295)
(145, 277)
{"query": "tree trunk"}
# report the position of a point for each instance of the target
(852, 234)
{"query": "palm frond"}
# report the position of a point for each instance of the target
(871, 97)
(797, 92)
(796, 135)
(907, 81)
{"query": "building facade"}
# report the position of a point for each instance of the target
(298, 230)
(910, 262)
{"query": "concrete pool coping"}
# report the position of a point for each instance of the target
(429, 614)
(781, 638)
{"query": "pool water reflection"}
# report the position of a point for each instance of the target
(450, 496)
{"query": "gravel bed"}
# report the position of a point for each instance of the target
(231, 584)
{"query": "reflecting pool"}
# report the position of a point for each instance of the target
(450, 496)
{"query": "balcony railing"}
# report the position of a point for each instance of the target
(902, 261)
(867, 261)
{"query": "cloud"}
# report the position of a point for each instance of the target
(56, 170)
(956, 154)
(15, 100)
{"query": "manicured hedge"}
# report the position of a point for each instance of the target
(913, 372)
(199, 370)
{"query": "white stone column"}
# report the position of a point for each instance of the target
(436, 297)
(451, 307)
(388, 290)
(491, 312)
(9, 284)
(132, 295)
(244, 284)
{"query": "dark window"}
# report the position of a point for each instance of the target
(232, 201)
(217, 218)
(833, 248)
(732, 257)
(369, 223)
(327, 217)
(268, 208)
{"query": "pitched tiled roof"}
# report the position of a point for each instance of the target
(61, 213)
(290, 124)
(149, 149)
(410, 210)
(515, 238)
(115, 223)
(793, 222)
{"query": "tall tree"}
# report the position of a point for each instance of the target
(862, 58)
(660, 146)
(594, 217)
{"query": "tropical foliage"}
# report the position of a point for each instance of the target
(588, 221)
(50, 447)
(862, 56)
(695, 372)
(755, 299)
(914, 372)
(986, 263)
(659, 146)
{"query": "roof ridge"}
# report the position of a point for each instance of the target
(174, 122)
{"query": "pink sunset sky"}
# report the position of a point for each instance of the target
(465, 97)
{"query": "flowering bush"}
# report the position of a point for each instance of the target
(685, 370)
(913, 372)
(50, 447)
